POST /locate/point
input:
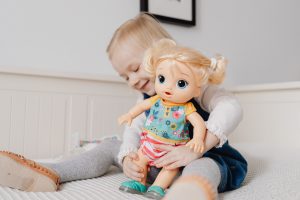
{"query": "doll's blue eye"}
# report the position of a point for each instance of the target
(182, 84)
(161, 78)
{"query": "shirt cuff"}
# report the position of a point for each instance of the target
(215, 130)
(124, 151)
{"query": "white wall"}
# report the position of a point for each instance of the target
(261, 38)
(63, 35)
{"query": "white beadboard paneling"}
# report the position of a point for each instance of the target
(96, 113)
(44, 131)
(121, 107)
(5, 119)
(41, 113)
(58, 125)
(18, 112)
(31, 125)
(78, 115)
(105, 110)
(271, 114)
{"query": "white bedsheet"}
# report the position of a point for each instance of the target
(274, 173)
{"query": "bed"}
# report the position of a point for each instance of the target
(45, 114)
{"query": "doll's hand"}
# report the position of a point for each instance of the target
(125, 118)
(196, 144)
(131, 169)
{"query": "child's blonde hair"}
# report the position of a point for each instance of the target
(208, 70)
(143, 30)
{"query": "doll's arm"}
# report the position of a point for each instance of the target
(197, 143)
(135, 111)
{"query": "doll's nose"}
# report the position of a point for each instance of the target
(169, 87)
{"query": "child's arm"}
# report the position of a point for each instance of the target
(197, 143)
(135, 111)
(219, 102)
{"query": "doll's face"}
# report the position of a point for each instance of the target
(126, 60)
(176, 82)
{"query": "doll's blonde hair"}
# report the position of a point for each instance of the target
(142, 31)
(207, 70)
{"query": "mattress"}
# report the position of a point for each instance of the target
(272, 175)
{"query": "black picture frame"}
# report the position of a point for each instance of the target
(144, 7)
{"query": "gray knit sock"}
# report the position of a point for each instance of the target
(206, 168)
(90, 164)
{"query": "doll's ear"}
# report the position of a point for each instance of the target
(197, 91)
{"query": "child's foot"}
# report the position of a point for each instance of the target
(155, 192)
(133, 187)
(193, 187)
(20, 173)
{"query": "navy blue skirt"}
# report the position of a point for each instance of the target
(232, 165)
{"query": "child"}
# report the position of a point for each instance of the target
(178, 73)
(126, 51)
(221, 167)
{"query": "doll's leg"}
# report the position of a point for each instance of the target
(200, 179)
(162, 181)
(133, 186)
(165, 178)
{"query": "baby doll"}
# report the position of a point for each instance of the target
(178, 73)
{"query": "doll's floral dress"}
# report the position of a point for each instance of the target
(165, 124)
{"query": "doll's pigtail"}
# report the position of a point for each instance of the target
(217, 69)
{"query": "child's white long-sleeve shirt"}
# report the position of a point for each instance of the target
(225, 114)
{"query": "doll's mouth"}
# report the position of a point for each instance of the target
(168, 93)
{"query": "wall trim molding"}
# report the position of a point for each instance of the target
(60, 74)
(266, 87)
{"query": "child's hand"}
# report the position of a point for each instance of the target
(176, 156)
(125, 118)
(131, 169)
(196, 144)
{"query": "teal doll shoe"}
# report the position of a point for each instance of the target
(133, 187)
(155, 192)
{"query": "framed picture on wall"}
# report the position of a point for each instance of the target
(181, 12)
